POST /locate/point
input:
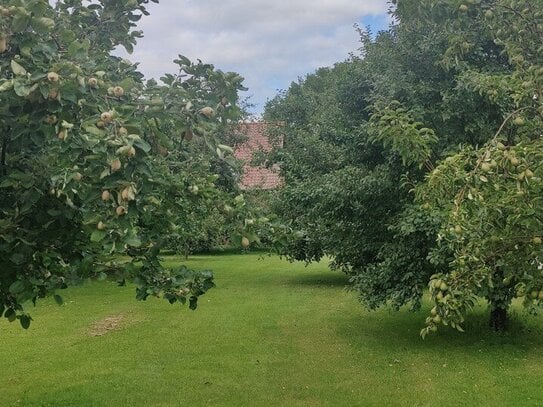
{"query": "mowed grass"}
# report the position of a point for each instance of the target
(270, 334)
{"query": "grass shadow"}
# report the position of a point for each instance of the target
(320, 280)
(400, 330)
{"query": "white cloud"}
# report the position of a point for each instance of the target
(270, 43)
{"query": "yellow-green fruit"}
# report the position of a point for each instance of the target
(433, 328)
(463, 8)
(501, 146)
(115, 165)
(433, 312)
(489, 14)
(458, 229)
(51, 119)
(77, 176)
(93, 82)
(486, 167)
(100, 226)
(534, 294)
(519, 121)
(528, 173)
(443, 286)
(536, 240)
(106, 195)
(53, 94)
(131, 152)
(118, 91)
(125, 193)
(121, 210)
(540, 295)
(52, 77)
(437, 319)
(123, 131)
(245, 242)
(61, 135)
(439, 296)
(514, 161)
(106, 117)
(207, 111)
(520, 176)
(3, 44)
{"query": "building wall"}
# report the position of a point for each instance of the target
(256, 177)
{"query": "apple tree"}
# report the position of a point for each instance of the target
(95, 163)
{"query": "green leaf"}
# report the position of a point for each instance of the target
(11, 315)
(133, 241)
(23, 89)
(17, 68)
(97, 236)
(20, 22)
(17, 258)
(142, 145)
(25, 321)
(7, 85)
(17, 287)
(43, 24)
(92, 129)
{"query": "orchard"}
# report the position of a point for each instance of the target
(415, 166)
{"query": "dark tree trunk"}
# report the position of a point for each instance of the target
(3, 169)
(498, 319)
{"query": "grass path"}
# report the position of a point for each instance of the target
(270, 334)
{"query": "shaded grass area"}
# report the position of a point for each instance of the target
(271, 334)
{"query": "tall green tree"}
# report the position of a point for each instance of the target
(362, 136)
(96, 163)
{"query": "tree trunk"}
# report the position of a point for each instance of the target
(498, 318)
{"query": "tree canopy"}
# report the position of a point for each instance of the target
(433, 128)
(100, 169)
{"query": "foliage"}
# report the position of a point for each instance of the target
(490, 197)
(96, 163)
(441, 82)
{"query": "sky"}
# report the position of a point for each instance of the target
(269, 43)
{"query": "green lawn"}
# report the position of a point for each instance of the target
(270, 334)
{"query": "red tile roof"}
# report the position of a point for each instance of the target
(256, 177)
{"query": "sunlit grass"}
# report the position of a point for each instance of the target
(270, 333)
